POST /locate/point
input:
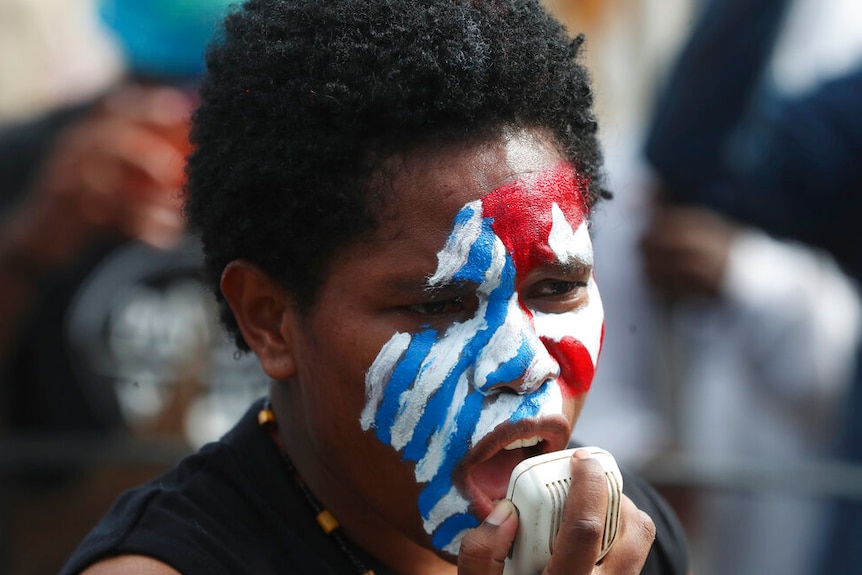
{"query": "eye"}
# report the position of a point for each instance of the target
(556, 288)
(556, 294)
(437, 308)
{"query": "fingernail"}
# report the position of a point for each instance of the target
(582, 454)
(501, 512)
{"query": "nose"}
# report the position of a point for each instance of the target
(515, 359)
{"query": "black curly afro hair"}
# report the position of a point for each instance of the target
(303, 100)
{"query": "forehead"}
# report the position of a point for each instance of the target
(523, 213)
(518, 175)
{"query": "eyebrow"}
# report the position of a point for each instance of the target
(451, 288)
(572, 266)
(423, 286)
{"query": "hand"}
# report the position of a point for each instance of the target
(119, 170)
(484, 550)
(685, 251)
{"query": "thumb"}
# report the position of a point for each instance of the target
(484, 550)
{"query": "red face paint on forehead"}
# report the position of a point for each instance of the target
(522, 216)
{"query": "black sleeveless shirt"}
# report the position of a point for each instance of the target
(233, 508)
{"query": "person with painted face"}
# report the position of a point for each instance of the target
(393, 199)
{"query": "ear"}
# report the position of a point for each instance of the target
(265, 314)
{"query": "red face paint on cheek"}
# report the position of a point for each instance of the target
(522, 213)
(576, 365)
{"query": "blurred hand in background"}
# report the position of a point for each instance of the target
(118, 170)
(686, 250)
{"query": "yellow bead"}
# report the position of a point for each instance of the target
(327, 521)
(265, 417)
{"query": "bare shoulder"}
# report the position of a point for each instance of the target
(130, 565)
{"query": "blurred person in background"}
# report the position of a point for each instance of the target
(763, 333)
(658, 380)
(104, 325)
(91, 231)
(741, 156)
(53, 53)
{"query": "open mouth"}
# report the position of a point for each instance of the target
(484, 476)
(491, 476)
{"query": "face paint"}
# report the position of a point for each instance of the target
(432, 396)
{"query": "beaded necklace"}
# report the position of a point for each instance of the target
(327, 522)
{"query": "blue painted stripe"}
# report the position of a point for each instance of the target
(480, 256)
(531, 403)
(513, 369)
(462, 218)
(402, 378)
(450, 528)
(456, 448)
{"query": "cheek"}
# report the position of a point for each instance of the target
(576, 364)
(342, 393)
(575, 341)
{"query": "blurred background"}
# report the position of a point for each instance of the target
(112, 365)
(728, 262)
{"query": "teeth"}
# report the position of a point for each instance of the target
(526, 442)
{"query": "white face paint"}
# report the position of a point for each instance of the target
(432, 396)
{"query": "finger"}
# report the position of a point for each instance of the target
(484, 550)
(144, 152)
(157, 225)
(579, 539)
(664, 271)
(632, 545)
(108, 146)
(155, 105)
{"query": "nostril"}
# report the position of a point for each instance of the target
(527, 388)
(523, 385)
(503, 390)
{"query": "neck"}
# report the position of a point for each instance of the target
(359, 520)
